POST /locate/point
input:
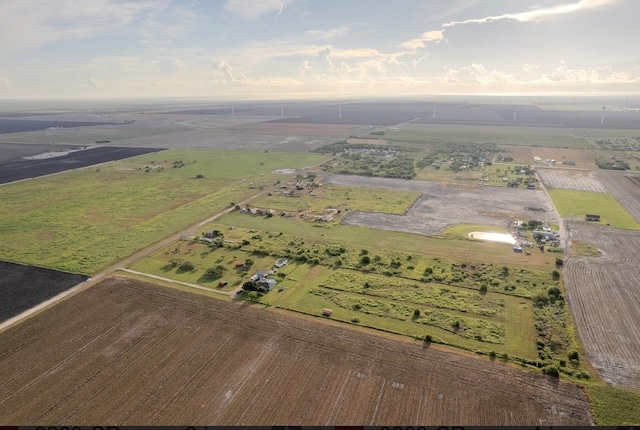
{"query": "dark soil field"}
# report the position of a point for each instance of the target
(15, 151)
(23, 287)
(19, 168)
(21, 125)
(129, 352)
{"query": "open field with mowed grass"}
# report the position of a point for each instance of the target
(86, 219)
(342, 198)
(576, 204)
(139, 353)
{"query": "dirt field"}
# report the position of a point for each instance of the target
(603, 294)
(584, 158)
(127, 352)
(580, 180)
(441, 206)
(625, 188)
(20, 168)
(23, 287)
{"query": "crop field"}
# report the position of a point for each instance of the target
(21, 125)
(603, 294)
(209, 360)
(480, 307)
(23, 287)
(575, 204)
(626, 190)
(93, 217)
(579, 180)
(441, 206)
(501, 135)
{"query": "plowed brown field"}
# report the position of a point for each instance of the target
(129, 352)
(625, 188)
(604, 293)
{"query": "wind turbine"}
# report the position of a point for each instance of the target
(281, 108)
(233, 108)
(515, 111)
(602, 119)
(340, 110)
(434, 111)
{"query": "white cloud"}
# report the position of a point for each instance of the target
(429, 36)
(5, 81)
(252, 9)
(225, 74)
(478, 74)
(328, 34)
(537, 14)
(91, 82)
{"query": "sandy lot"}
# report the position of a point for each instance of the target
(127, 352)
(441, 206)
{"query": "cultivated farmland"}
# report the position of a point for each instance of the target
(625, 188)
(137, 353)
(603, 295)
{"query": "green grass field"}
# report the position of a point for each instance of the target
(614, 406)
(80, 221)
(574, 204)
(343, 198)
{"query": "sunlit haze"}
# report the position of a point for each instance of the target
(252, 49)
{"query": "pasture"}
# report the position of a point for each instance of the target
(576, 204)
(153, 353)
(93, 217)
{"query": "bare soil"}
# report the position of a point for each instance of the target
(580, 180)
(441, 206)
(129, 352)
(603, 295)
(625, 188)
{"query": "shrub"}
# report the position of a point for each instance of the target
(187, 266)
(551, 371)
(559, 262)
(483, 289)
(555, 275)
(573, 355)
(416, 313)
(355, 320)
(215, 272)
(428, 338)
(364, 260)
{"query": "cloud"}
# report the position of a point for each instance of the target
(5, 81)
(328, 34)
(537, 14)
(478, 74)
(252, 9)
(225, 74)
(91, 82)
(430, 36)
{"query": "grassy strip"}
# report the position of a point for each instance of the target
(571, 203)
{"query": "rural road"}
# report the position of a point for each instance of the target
(122, 264)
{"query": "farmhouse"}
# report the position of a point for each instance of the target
(544, 235)
(281, 262)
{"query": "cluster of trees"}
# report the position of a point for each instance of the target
(611, 164)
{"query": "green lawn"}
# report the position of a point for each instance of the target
(572, 204)
(81, 221)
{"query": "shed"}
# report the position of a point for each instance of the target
(327, 312)
(222, 284)
(592, 217)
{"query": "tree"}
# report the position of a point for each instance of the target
(559, 262)
(215, 272)
(248, 262)
(364, 260)
(416, 313)
(555, 275)
(187, 266)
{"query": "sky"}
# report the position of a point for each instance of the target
(288, 49)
